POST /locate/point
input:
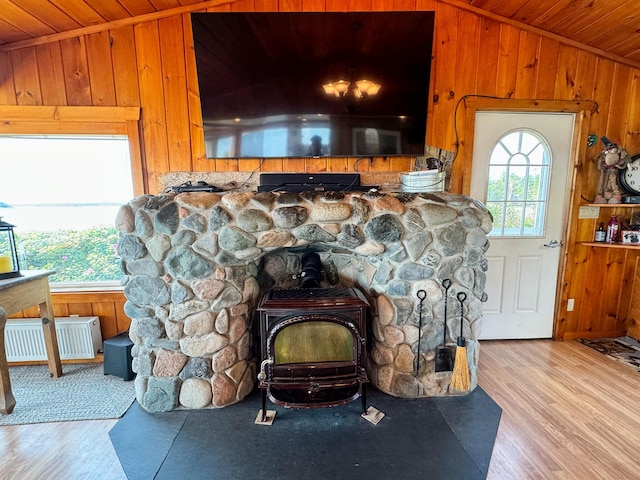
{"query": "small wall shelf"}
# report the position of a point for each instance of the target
(610, 245)
(612, 205)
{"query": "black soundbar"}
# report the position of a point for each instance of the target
(314, 182)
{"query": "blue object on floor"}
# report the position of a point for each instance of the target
(117, 356)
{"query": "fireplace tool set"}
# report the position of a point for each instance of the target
(444, 361)
(421, 294)
(460, 377)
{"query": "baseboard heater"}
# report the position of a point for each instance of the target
(78, 338)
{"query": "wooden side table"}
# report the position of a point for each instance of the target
(17, 294)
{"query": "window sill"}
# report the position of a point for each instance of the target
(86, 287)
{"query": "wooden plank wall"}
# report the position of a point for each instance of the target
(151, 65)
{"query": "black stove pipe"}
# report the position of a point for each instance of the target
(311, 276)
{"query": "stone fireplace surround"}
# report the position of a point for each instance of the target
(197, 263)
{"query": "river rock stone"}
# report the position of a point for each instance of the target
(450, 239)
(143, 290)
(161, 394)
(183, 237)
(155, 203)
(228, 297)
(384, 228)
(330, 212)
(132, 310)
(199, 323)
(195, 222)
(414, 272)
(253, 220)
(232, 239)
(435, 215)
(389, 204)
(219, 217)
(313, 233)
(290, 217)
(477, 238)
(224, 359)
(169, 363)
(195, 393)
(264, 199)
(208, 288)
(179, 311)
(180, 293)
(276, 240)
(413, 221)
(206, 245)
(350, 236)
(145, 328)
(200, 346)
(236, 201)
(199, 200)
(360, 210)
(124, 222)
(158, 246)
(396, 288)
(143, 224)
(130, 247)
(224, 390)
(386, 312)
(185, 264)
(167, 219)
(288, 198)
(198, 367)
(145, 266)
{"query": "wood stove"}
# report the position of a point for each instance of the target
(313, 345)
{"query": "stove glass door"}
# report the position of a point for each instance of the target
(313, 342)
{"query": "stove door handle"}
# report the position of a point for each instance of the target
(262, 376)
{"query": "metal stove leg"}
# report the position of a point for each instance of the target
(364, 399)
(264, 405)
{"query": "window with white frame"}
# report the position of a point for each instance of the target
(62, 192)
(518, 185)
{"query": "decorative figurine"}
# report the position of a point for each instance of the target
(610, 160)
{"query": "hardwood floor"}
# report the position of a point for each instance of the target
(59, 451)
(568, 413)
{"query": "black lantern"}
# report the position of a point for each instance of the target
(9, 266)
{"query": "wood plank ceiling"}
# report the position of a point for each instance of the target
(609, 26)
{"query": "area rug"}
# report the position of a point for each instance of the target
(623, 349)
(83, 392)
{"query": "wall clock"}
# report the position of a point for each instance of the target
(629, 178)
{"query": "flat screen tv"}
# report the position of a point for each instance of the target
(313, 84)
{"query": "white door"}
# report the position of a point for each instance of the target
(520, 169)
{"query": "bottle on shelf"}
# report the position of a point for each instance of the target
(601, 234)
(613, 229)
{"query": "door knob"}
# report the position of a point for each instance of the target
(553, 244)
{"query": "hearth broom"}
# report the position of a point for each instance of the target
(460, 376)
(444, 362)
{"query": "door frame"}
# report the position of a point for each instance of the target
(582, 111)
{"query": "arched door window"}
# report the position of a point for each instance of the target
(518, 185)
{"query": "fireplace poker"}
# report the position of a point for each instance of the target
(421, 294)
(460, 376)
(444, 362)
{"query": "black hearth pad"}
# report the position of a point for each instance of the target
(417, 438)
